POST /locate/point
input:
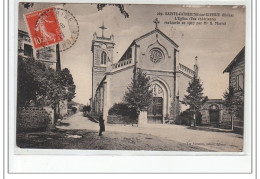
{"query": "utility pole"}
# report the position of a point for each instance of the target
(58, 69)
(58, 64)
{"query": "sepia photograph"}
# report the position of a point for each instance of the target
(131, 77)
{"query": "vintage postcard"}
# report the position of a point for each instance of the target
(137, 77)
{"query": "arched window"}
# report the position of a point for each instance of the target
(103, 58)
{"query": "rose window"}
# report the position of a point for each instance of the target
(156, 55)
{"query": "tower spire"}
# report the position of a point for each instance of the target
(103, 28)
(196, 68)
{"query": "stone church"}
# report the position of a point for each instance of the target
(155, 54)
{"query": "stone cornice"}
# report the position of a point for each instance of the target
(120, 70)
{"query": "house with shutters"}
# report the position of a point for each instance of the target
(236, 70)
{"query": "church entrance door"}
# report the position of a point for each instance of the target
(214, 114)
(155, 111)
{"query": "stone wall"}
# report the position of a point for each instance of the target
(224, 117)
(117, 86)
(32, 119)
(98, 75)
(118, 119)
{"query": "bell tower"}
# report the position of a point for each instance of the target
(102, 53)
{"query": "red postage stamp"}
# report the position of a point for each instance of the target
(43, 27)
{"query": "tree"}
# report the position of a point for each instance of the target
(99, 7)
(74, 109)
(119, 109)
(27, 5)
(59, 87)
(195, 98)
(30, 88)
(234, 102)
(119, 6)
(86, 109)
(42, 85)
(71, 104)
(139, 94)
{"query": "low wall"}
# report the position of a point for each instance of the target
(32, 119)
(239, 126)
(118, 119)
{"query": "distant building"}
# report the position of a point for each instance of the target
(25, 49)
(236, 70)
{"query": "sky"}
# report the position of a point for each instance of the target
(215, 45)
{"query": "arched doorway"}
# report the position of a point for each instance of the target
(214, 114)
(158, 107)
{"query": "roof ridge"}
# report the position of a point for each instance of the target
(156, 30)
(234, 60)
(147, 34)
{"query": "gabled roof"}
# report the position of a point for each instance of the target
(239, 56)
(150, 33)
(160, 32)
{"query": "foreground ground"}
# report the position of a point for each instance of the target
(85, 139)
(78, 132)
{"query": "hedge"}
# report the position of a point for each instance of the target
(119, 119)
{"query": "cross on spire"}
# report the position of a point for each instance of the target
(196, 60)
(156, 21)
(103, 28)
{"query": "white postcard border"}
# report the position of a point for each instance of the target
(61, 161)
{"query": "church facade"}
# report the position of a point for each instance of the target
(155, 54)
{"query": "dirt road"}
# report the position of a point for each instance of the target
(212, 141)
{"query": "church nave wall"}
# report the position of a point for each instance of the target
(118, 83)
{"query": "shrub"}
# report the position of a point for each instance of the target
(182, 121)
(74, 109)
(139, 94)
(119, 109)
(84, 109)
(184, 118)
(88, 108)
